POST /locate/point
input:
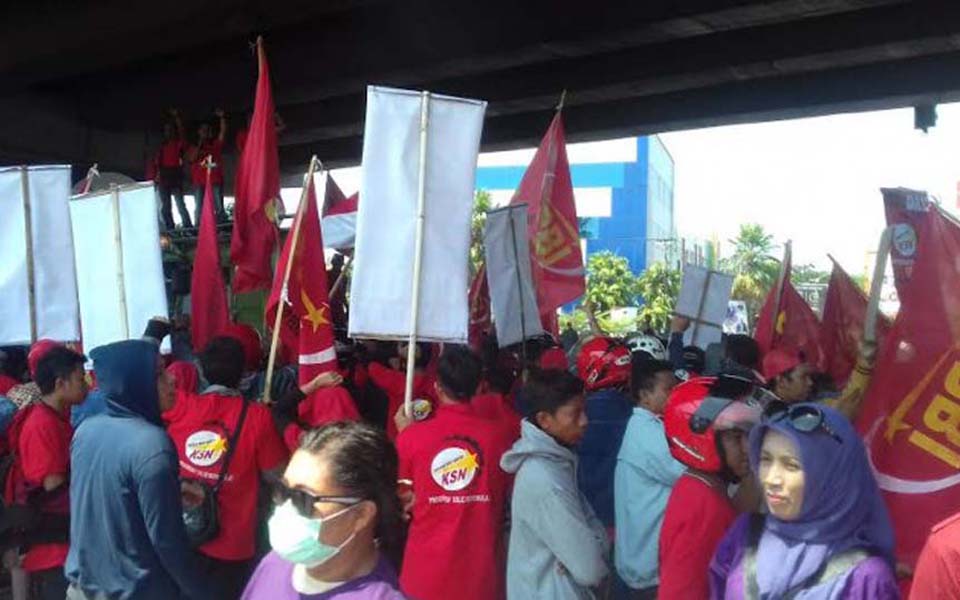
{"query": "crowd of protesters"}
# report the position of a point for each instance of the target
(641, 471)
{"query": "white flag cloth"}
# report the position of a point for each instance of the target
(35, 199)
(513, 300)
(381, 289)
(119, 265)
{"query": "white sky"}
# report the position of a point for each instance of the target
(815, 181)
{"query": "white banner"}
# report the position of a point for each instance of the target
(513, 300)
(704, 299)
(381, 288)
(119, 265)
(35, 198)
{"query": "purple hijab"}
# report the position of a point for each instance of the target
(842, 507)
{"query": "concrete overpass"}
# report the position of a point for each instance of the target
(88, 82)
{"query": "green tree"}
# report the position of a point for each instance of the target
(659, 287)
(481, 204)
(753, 266)
(809, 274)
(610, 282)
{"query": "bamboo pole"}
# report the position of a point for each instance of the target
(278, 319)
(118, 241)
(31, 275)
(876, 286)
(417, 254)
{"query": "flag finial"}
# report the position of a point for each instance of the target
(563, 98)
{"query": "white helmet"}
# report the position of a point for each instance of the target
(649, 344)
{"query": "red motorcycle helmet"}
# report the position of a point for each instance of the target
(603, 363)
(692, 417)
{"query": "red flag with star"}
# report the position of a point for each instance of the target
(306, 330)
(257, 192)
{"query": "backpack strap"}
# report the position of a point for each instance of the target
(232, 444)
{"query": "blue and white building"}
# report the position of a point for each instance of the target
(623, 190)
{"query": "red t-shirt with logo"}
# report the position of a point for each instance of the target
(455, 547)
(198, 173)
(200, 426)
(394, 385)
(696, 519)
(43, 449)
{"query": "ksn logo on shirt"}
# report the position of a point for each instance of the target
(204, 448)
(456, 466)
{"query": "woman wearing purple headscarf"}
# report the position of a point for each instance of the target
(827, 535)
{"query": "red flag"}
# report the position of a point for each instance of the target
(257, 192)
(479, 307)
(905, 210)
(844, 313)
(306, 329)
(553, 229)
(208, 294)
(792, 324)
(911, 414)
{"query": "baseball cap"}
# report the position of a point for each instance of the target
(779, 361)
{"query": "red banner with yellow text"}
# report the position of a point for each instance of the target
(911, 415)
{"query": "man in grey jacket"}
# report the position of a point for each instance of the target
(558, 547)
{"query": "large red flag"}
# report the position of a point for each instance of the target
(553, 229)
(257, 192)
(208, 294)
(791, 324)
(844, 314)
(306, 329)
(911, 414)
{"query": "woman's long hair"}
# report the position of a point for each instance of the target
(364, 463)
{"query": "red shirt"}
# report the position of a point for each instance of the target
(498, 407)
(697, 517)
(43, 449)
(455, 545)
(394, 384)
(198, 173)
(6, 383)
(200, 426)
(169, 156)
(938, 569)
(326, 405)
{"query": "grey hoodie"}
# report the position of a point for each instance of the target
(558, 546)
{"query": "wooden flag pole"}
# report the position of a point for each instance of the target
(88, 181)
(295, 232)
(876, 286)
(31, 275)
(342, 277)
(417, 254)
(118, 240)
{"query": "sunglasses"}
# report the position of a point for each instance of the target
(303, 500)
(805, 419)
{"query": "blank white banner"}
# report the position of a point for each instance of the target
(119, 263)
(381, 287)
(54, 298)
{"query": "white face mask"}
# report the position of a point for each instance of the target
(297, 538)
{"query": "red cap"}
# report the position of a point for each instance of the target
(554, 358)
(779, 361)
(39, 349)
(249, 338)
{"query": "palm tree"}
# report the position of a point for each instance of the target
(753, 265)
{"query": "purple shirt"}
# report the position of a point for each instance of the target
(273, 580)
(871, 579)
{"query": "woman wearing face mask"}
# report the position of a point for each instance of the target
(827, 534)
(337, 520)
